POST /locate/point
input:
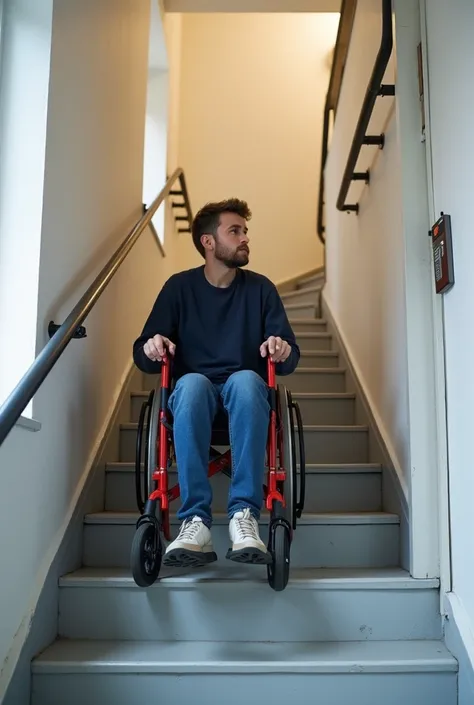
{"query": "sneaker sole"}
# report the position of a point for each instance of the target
(249, 555)
(182, 558)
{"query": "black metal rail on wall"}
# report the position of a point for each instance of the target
(375, 89)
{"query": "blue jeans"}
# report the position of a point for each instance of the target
(194, 403)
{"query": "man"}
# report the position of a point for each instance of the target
(219, 323)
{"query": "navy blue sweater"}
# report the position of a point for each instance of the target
(217, 331)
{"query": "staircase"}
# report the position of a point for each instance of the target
(351, 627)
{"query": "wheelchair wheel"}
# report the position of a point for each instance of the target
(278, 571)
(146, 554)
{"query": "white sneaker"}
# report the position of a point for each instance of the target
(247, 546)
(193, 546)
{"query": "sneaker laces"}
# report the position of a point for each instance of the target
(189, 529)
(246, 525)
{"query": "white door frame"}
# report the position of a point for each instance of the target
(444, 530)
(424, 319)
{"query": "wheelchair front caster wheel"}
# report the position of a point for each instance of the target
(146, 554)
(278, 572)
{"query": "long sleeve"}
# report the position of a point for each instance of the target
(276, 323)
(163, 320)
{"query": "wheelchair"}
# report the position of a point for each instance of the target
(284, 493)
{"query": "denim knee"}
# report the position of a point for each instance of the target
(246, 383)
(192, 388)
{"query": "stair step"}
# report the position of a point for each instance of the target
(305, 324)
(316, 380)
(314, 280)
(303, 310)
(189, 605)
(316, 408)
(311, 295)
(323, 444)
(390, 672)
(314, 341)
(329, 488)
(358, 539)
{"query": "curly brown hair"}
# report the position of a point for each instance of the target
(208, 218)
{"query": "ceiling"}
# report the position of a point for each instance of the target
(252, 5)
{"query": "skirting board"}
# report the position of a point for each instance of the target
(460, 641)
(44, 620)
(394, 497)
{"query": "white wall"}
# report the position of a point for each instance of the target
(365, 254)
(252, 98)
(92, 195)
(452, 106)
(25, 60)
(156, 139)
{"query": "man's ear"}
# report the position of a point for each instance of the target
(208, 242)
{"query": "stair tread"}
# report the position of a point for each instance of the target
(311, 469)
(306, 319)
(133, 425)
(295, 395)
(77, 656)
(313, 578)
(300, 292)
(323, 518)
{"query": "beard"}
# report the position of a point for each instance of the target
(232, 258)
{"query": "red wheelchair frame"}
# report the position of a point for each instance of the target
(147, 550)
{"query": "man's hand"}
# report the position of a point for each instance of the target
(278, 349)
(155, 348)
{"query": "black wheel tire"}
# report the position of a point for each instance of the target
(145, 561)
(279, 570)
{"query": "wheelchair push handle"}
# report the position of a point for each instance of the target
(166, 372)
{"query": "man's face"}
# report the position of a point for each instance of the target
(231, 241)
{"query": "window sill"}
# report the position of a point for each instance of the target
(29, 424)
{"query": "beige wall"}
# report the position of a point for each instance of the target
(366, 253)
(92, 195)
(251, 105)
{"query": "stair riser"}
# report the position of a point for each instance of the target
(298, 310)
(303, 296)
(317, 382)
(339, 446)
(218, 612)
(330, 492)
(315, 360)
(324, 343)
(309, 688)
(311, 282)
(326, 411)
(307, 326)
(319, 546)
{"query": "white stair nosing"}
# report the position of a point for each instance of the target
(373, 579)
(88, 657)
(219, 518)
(310, 428)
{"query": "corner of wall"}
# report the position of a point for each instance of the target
(460, 641)
(39, 625)
(394, 490)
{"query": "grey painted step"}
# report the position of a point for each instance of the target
(299, 310)
(193, 605)
(323, 444)
(319, 358)
(314, 341)
(321, 540)
(326, 409)
(314, 280)
(308, 325)
(95, 604)
(315, 379)
(329, 488)
(310, 295)
(173, 673)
